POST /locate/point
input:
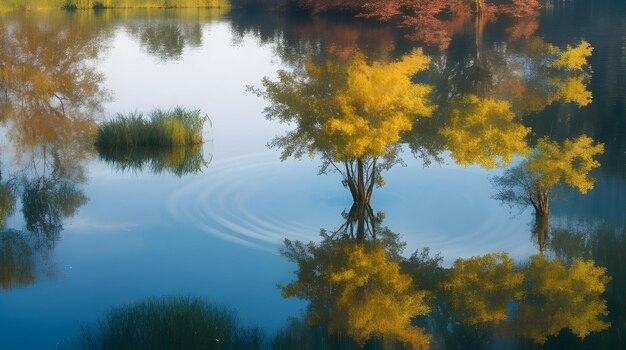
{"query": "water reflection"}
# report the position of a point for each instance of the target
(360, 287)
(353, 282)
(51, 197)
(171, 323)
(51, 95)
(489, 99)
(167, 37)
(50, 87)
(178, 160)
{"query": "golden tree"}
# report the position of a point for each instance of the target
(531, 182)
(351, 111)
(572, 58)
(484, 132)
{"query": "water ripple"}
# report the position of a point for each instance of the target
(234, 202)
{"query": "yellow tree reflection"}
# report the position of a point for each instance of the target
(559, 296)
(51, 90)
(480, 288)
(535, 300)
(355, 287)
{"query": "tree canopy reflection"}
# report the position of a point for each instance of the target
(51, 90)
(359, 286)
(354, 284)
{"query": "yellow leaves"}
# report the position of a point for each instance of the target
(481, 287)
(379, 101)
(484, 132)
(569, 163)
(348, 108)
(358, 291)
(573, 90)
(560, 296)
(372, 297)
(543, 297)
(573, 58)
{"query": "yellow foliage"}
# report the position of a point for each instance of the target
(484, 132)
(373, 297)
(173, 130)
(572, 90)
(481, 287)
(560, 296)
(358, 291)
(573, 58)
(378, 102)
(569, 163)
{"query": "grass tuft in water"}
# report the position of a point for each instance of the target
(177, 127)
(171, 323)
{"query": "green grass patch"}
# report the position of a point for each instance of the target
(171, 323)
(163, 128)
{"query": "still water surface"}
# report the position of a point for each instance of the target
(86, 235)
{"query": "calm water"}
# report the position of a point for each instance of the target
(85, 235)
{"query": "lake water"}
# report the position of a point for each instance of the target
(86, 234)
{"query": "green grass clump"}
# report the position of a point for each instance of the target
(171, 323)
(178, 127)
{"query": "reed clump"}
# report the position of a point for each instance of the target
(163, 128)
(171, 323)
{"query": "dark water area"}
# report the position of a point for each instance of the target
(218, 233)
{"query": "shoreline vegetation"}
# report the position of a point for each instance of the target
(72, 5)
(383, 10)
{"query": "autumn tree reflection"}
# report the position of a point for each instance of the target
(51, 90)
(17, 266)
(7, 197)
(354, 285)
(363, 288)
